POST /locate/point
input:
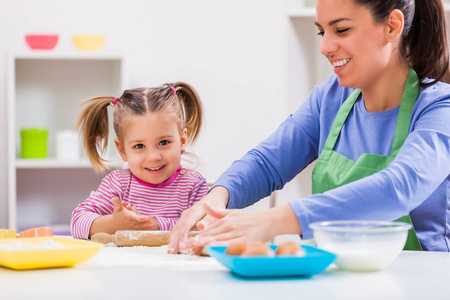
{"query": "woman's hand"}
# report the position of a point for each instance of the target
(235, 226)
(194, 217)
(124, 217)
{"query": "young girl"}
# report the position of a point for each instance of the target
(153, 127)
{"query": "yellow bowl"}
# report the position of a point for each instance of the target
(74, 252)
(89, 42)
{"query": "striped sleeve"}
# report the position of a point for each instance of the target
(98, 204)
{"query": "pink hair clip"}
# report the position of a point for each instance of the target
(174, 90)
(115, 101)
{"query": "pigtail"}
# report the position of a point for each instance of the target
(426, 45)
(93, 126)
(193, 109)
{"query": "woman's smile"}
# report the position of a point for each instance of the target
(341, 62)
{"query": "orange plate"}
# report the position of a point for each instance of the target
(36, 232)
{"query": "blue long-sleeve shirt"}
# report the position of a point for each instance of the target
(417, 182)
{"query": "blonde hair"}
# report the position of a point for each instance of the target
(93, 121)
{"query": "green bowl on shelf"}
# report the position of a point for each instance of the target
(34, 142)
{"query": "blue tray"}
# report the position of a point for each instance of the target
(314, 262)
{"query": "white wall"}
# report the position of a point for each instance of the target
(234, 52)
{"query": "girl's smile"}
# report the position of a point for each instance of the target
(155, 169)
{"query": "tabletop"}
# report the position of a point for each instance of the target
(150, 273)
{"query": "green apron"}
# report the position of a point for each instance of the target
(333, 169)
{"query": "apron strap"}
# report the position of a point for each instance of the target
(410, 94)
(341, 116)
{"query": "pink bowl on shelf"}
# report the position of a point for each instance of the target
(41, 41)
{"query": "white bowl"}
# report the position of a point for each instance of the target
(361, 245)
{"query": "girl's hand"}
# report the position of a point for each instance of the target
(126, 217)
(240, 226)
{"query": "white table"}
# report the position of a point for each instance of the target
(149, 273)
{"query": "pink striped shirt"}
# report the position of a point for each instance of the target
(165, 201)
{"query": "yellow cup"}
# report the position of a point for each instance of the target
(89, 42)
(7, 234)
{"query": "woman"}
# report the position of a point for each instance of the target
(379, 129)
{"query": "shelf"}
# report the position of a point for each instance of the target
(68, 56)
(45, 90)
(63, 164)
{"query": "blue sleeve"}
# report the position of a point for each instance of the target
(276, 160)
(422, 164)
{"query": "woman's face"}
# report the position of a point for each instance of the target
(355, 45)
(152, 146)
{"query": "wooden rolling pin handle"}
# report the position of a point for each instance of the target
(103, 238)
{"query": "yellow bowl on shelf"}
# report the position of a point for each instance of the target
(89, 42)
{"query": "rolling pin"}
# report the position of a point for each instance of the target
(135, 238)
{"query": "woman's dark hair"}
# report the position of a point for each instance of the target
(424, 39)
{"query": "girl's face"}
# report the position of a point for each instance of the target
(152, 146)
(355, 45)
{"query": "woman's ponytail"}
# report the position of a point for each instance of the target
(425, 46)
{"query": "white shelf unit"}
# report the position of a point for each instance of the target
(45, 90)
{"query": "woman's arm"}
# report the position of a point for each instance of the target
(422, 164)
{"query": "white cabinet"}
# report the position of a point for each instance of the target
(45, 90)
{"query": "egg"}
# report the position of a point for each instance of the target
(236, 249)
(257, 248)
(290, 248)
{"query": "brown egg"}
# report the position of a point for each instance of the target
(258, 248)
(236, 249)
(290, 248)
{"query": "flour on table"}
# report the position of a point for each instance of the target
(25, 246)
(149, 257)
